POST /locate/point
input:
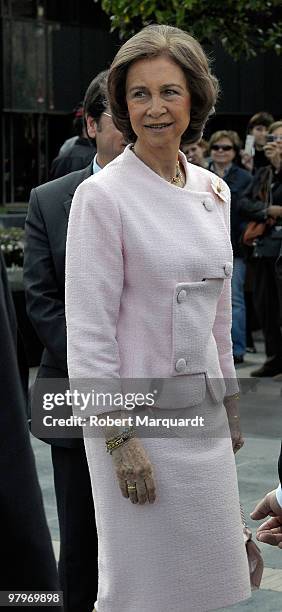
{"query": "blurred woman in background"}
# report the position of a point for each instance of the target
(224, 148)
(263, 203)
(196, 152)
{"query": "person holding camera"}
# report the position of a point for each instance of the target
(262, 203)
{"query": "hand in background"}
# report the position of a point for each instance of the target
(247, 161)
(270, 532)
(274, 211)
(272, 153)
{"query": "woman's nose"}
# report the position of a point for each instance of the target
(157, 106)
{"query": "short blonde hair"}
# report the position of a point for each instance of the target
(274, 126)
(184, 50)
(230, 134)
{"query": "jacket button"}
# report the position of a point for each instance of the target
(208, 204)
(228, 268)
(180, 365)
(181, 296)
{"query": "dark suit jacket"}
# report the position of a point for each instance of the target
(76, 158)
(279, 279)
(28, 561)
(280, 465)
(44, 272)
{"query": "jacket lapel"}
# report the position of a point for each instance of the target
(84, 175)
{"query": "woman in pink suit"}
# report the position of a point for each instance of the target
(148, 271)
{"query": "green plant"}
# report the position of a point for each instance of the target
(12, 245)
(245, 28)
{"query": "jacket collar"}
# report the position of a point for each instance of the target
(229, 170)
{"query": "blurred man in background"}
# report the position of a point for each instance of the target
(77, 153)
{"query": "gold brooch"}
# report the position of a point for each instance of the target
(220, 188)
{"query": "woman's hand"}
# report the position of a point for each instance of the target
(274, 211)
(272, 152)
(236, 434)
(133, 467)
(247, 161)
(231, 405)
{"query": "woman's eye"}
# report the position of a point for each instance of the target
(138, 94)
(170, 91)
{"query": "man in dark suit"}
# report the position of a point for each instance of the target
(44, 276)
(271, 531)
(28, 562)
(79, 155)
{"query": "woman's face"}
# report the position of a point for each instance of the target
(222, 151)
(158, 102)
(194, 153)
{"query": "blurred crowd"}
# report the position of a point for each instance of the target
(253, 174)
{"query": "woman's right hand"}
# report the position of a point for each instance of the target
(272, 152)
(133, 467)
(274, 211)
(247, 161)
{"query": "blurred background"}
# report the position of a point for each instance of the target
(50, 51)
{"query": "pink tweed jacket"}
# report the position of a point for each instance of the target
(148, 281)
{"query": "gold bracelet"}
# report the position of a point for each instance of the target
(114, 443)
(236, 396)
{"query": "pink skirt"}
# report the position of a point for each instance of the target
(185, 552)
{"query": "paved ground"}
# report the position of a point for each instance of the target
(257, 473)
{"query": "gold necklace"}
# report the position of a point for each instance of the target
(178, 179)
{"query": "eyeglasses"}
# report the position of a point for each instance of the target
(108, 114)
(217, 147)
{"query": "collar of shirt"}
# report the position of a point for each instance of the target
(212, 168)
(96, 167)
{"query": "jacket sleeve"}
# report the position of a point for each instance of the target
(222, 327)
(250, 208)
(45, 307)
(94, 283)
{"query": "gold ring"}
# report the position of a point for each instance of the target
(131, 487)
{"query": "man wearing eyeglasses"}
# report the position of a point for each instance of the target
(44, 277)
